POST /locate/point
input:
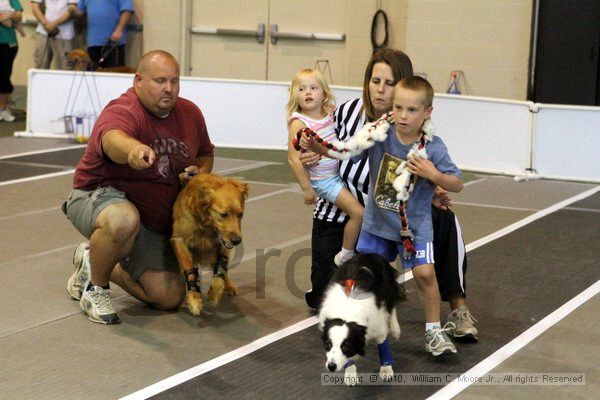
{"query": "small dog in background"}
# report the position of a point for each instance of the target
(359, 307)
(79, 60)
(207, 224)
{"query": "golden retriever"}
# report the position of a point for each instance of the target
(79, 60)
(207, 224)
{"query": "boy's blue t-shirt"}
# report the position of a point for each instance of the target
(103, 17)
(381, 211)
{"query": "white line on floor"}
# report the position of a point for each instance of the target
(37, 177)
(289, 185)
(54, 174)
(247, 257)
(259, 164)
(25, 214)
(466, 203)
(30, 153)
(35, 165)
(207, 366)
(529, 219)
(57, 208)
(485, 366)
(475, 181)
(593, 210)
(221, 360)
(262, 196)
(36, 255)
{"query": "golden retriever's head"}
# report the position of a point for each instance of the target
(220, 204)
(78, 59)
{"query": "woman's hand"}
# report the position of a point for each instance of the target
(309, 159)
(441, 199)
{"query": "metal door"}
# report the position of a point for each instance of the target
(267, 39)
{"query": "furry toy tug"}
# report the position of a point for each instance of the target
(207, 218)
(365, 139)
(359, 307)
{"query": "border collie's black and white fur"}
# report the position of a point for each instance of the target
(359, 307)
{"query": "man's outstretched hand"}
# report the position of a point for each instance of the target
(141, 157)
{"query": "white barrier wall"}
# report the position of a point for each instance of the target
(567, 142)
(487, 135)
(482, 134)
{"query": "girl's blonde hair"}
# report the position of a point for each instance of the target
(293, 103)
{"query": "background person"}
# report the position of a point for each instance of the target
(54, 34)
(106, 34)
(8, 51)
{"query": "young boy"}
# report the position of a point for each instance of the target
(381, 227)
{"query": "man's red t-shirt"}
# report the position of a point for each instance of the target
(177, 140)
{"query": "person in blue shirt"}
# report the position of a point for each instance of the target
(106, 29)
(393, 226)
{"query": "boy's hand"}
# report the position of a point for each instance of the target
(421, 167)
(310, 197)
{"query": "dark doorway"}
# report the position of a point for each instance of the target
(566, 57)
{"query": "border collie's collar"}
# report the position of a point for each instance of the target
(352, 292)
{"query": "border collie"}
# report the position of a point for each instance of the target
(359, 307)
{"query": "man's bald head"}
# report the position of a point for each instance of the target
(154, 57)
(156, 82)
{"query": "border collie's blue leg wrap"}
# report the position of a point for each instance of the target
(348, 363)
(385, 353)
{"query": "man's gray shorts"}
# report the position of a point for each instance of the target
(151, 250)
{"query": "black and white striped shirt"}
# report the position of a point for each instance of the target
(349, 119)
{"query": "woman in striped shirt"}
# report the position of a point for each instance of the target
(385, 68)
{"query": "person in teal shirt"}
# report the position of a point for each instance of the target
(10, 15)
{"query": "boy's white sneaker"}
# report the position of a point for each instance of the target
(437, 341)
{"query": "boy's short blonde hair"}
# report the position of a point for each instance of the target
(418, 84)
(293, 103)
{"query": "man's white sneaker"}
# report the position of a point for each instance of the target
(95, 301)
(81, 276)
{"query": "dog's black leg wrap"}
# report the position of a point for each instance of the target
(221, 267)
(191, 280)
